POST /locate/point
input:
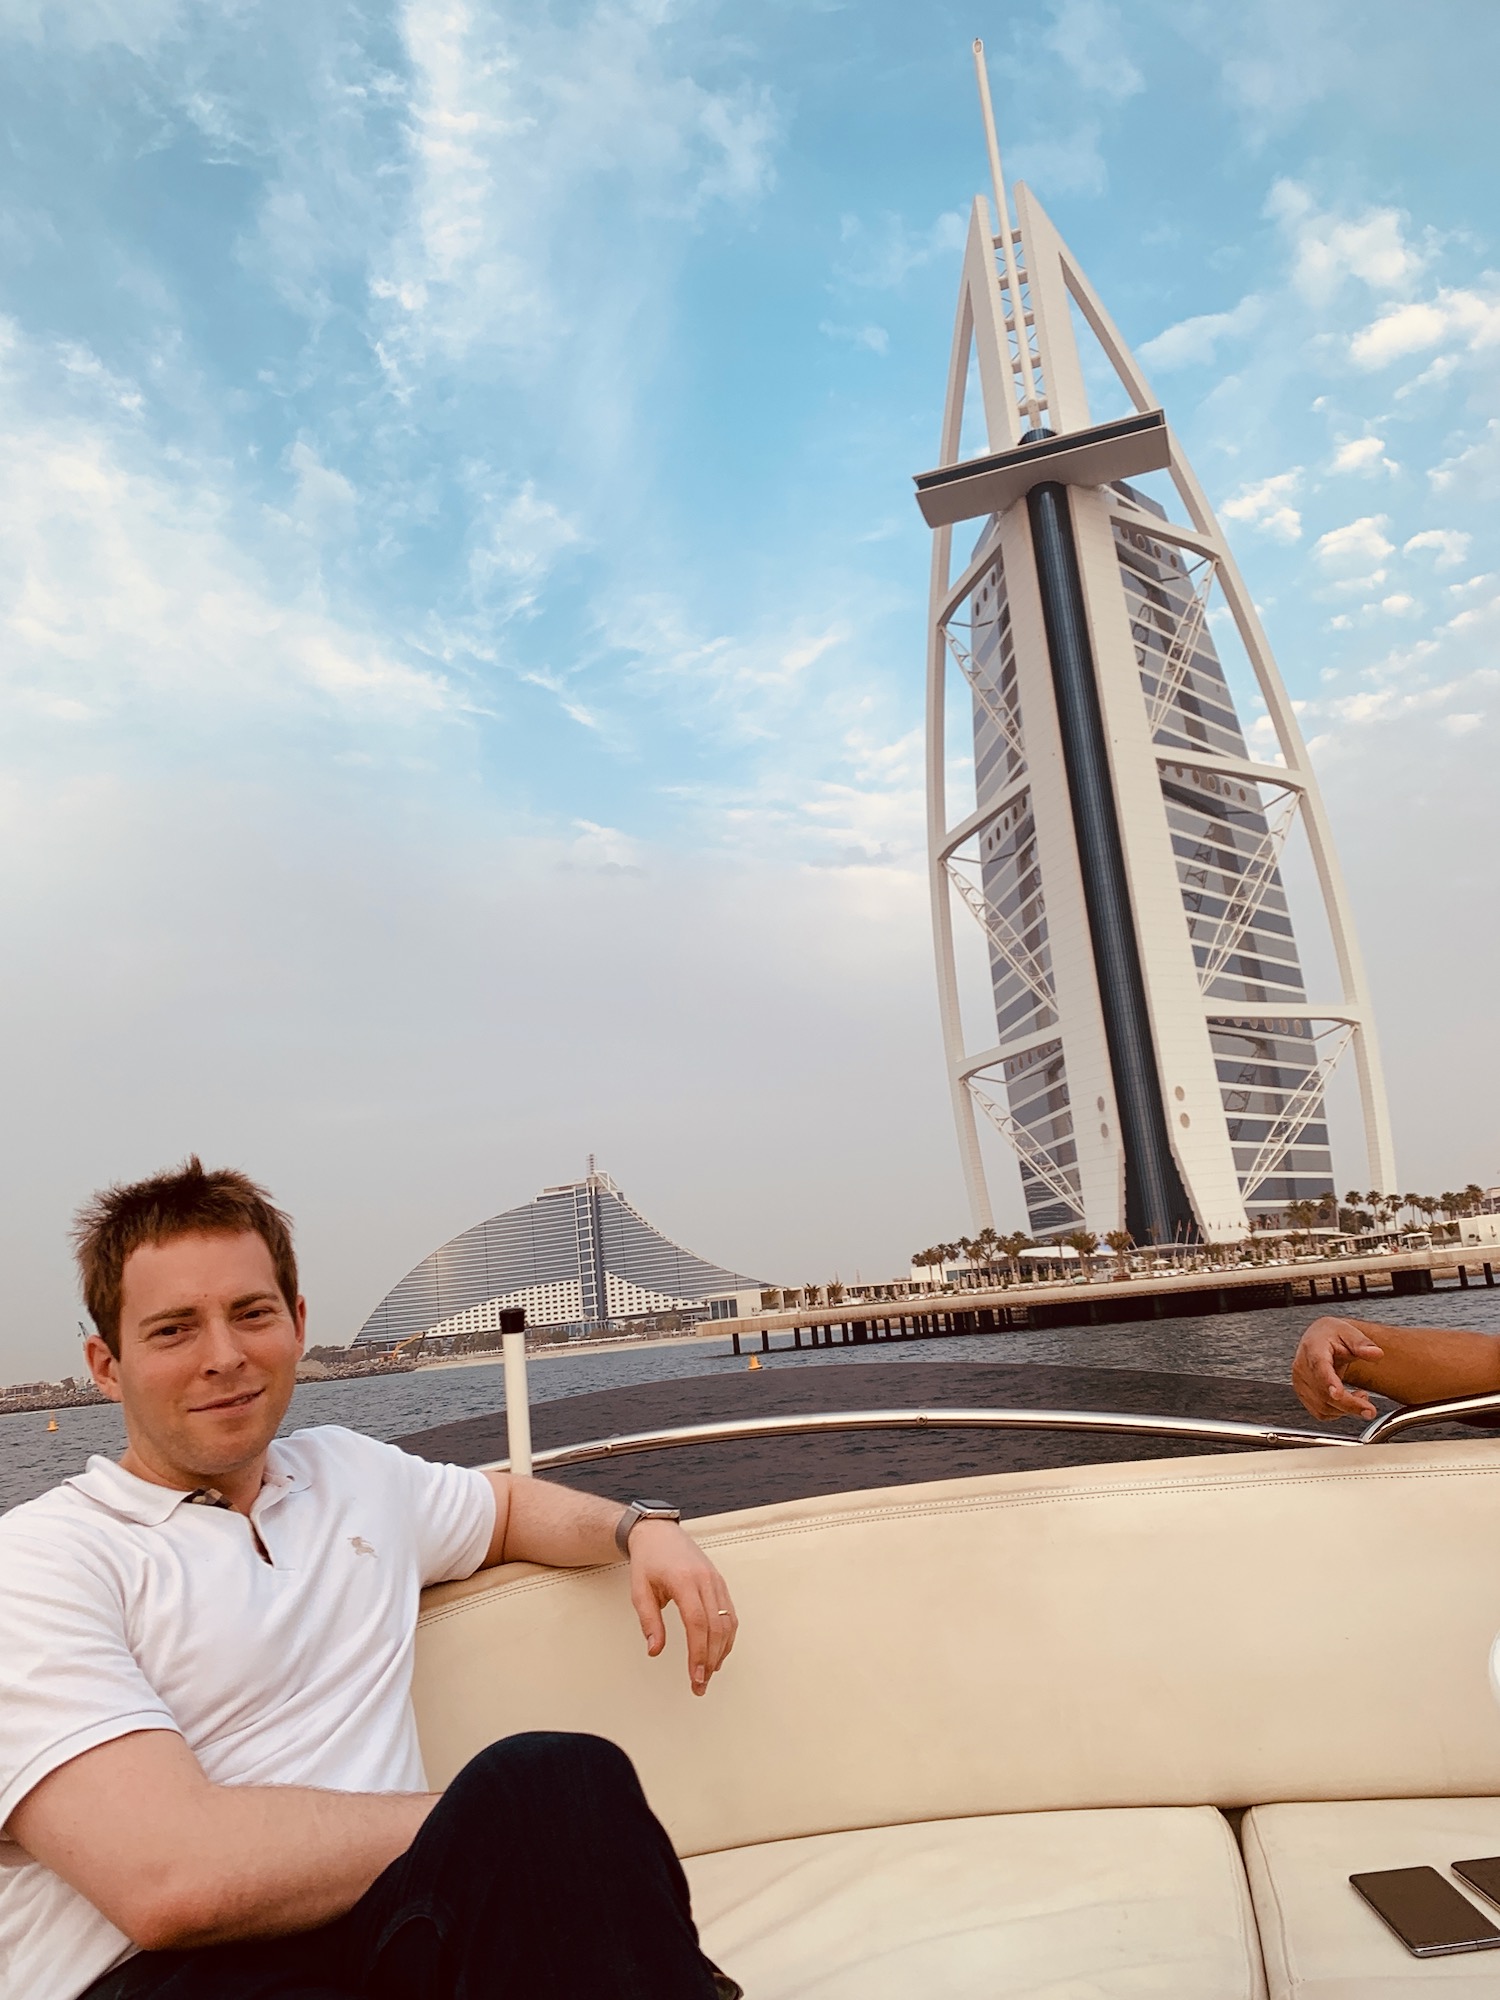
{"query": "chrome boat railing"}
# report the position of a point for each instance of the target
(1208, 1430)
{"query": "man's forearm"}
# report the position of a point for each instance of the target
(554, 1524)
(285, 1859)
(205, 1863)
(1421, 1364)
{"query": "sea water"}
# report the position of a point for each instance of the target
(1258, 1345)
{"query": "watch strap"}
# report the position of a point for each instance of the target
(639, 1510)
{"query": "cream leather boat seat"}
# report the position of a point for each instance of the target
(974, 1734)
(1320, 1942)
(1050, 1906)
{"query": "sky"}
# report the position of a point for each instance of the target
(462, 604)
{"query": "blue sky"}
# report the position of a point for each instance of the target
(462, 600)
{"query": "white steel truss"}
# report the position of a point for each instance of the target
(999, 712)
(1298, 1112)
(1019, 290)
(1016, 315)
(1183, 633)
(1053, 1177)
(1250, 889)
(1004, 936)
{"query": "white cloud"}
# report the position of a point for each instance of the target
(136, 25)
(325, 503)
(1070, 163)
(1462, 725)
(1356, 546)
(1451, 544)
(875, 338)
(1328, 249)
(880, 256)
(519, 546)
(1266, 506)
(1195, 341)
(1473, 473)
(1467, 318)
(1399, 605)
(124, 585)
(515, 124)
(1089, 37)
(1366, 454)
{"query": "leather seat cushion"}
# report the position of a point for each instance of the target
(1321, 1941)
(1052, 1905)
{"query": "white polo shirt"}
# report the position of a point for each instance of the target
(123, 1606)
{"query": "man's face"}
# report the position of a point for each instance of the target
(208, 1354)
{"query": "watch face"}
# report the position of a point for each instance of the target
(654, 1506)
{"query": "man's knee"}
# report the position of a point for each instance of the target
(549, 1768)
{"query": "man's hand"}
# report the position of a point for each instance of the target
(1329, 1349)
(1341, 1358)
(539, 1521)
(668, 1567)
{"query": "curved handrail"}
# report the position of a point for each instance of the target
(1410, 1415)
(1222, 1430)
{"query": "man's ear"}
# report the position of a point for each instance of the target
(300, 1316)
(103, 1366)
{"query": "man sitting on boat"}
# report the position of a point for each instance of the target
(210, 1781)
(1339, 1360)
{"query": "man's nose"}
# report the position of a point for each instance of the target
(221, 1351)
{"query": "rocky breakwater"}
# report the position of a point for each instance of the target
(65, 1395)
(315, 1369)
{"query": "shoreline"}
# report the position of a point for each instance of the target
(491, 1356)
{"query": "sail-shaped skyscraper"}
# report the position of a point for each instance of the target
(1154, 1057)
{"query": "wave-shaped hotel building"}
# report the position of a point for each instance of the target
(579, 1259)
(1151, 1052)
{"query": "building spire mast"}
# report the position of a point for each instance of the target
(1005, 243)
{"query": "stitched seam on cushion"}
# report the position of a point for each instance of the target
(1244, 1908)
(1282, 1932)
(990, 1503)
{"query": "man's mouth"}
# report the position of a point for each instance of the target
(240, 1402)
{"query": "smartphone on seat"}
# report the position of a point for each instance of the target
(1481, 1875)
(1431, 1918)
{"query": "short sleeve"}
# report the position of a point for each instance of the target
(453, 1518)
(68, 1679)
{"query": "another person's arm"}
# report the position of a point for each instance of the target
(1340, 1359)
(174, 1861)
(537, 1521)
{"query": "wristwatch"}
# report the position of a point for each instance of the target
(642, 1510)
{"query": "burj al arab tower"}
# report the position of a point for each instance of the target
(1151, 1052)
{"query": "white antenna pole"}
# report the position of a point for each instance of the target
(1006, 243)
(517, 1403)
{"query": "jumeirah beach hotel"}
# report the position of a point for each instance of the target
(579, 1259)
(1149, 1047)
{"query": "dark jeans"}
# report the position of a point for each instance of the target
(541, 1875)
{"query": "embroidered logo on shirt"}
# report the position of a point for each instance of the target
(360, 1546)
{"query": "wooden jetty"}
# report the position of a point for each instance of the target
(1161, 1294)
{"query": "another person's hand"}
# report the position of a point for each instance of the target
(1328, 1350)
(668, 1567)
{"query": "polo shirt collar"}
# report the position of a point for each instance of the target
(151, 1506)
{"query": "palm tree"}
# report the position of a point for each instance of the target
(1011, 1247)
(965, 1247)
(1121, 1242)
(987, 1242)
(1085, 1242)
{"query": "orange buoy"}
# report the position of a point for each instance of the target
(755, 1361)
(52, 1423)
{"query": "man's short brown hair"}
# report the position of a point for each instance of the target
(185, 1202)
